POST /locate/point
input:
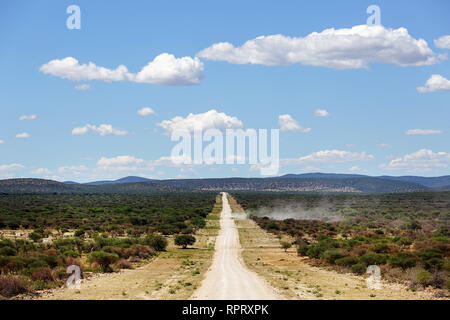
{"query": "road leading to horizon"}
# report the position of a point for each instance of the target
(228, 277)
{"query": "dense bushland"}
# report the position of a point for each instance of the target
(407, 235)
(100, 233)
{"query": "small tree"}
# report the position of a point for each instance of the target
(286, 245)
(104, 259)
(157, 242)
(184, 240)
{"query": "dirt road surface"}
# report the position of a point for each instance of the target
(228, 277)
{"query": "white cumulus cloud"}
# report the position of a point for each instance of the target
(169, 70)
(422, 132)
(28, 117)
(207, 120)
(145, 112)
(165, 69)
(103, 130)
(321, 113)
(287, 123)
(419, 161)
(443, 42)
(119, 161)
(345, 48)
(435, 83)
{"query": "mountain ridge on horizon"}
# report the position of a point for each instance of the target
(430, 182)
(310, 182)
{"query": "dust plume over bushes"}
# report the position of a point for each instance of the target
(291, 211)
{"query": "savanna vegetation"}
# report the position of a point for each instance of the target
(406, 235)
(41, 235)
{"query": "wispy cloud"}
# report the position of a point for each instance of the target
(28, 117)
(422, 132)
(22, 135)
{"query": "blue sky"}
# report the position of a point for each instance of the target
(378, 121)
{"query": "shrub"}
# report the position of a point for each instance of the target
(7, 251)
(359, 268)
(104, 259)
(11, 286)
(123, 264)
(403, 260)
(373, 258)
(302, 248)
(424, 278)
(380, 248)
(286, 245)
(79, 233)
(35, 236)
(71, 253)
(346, 261)
(184, 240)
(44, 274)
(332, 255)
(157, 242)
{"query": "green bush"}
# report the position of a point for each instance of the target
(157, 242)
(424, 278)
(286, 245)
(302, 248)
(373, 258)
(403, 260)
(7, 251)
(347, 261)
(332, 255)
(359, 268)
(71, 253)
(184, 240)
(35, 236)
(104, 259)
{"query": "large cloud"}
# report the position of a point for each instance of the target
(103, 130)
(207, 120)
(287, 123)
(344, 48)
(419, 161)
(165, 69)
(435, 83)
(443, 42)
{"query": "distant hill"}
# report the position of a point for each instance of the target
(323, 175)
(70, 182)
(49, 186)
(431, 182)
(309, 182)
(359, 184)
(36, 186)
(130, 179)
